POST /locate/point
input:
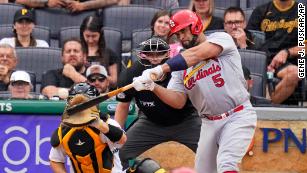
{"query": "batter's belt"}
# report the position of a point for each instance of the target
(223, 115)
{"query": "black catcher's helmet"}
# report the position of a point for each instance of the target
(83, 88)
(153, 46)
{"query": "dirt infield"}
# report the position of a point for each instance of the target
(171, 155)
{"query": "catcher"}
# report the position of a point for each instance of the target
(89, 138)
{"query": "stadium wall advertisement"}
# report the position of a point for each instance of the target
(25, 130)
(25, 142)
(25, 146)
(279, 146)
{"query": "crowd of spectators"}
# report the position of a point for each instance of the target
(276, 19)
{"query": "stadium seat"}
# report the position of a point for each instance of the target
(184, 3)
(302, 1)
(38, 60)
(67, 33)
(155, 3)
(112, 37)
(219, 12)
(175, 10)
(227, 3)
(55, 19)
(127, 19)
(258, 85)
(254, 3)
(39, 32)
(139, 36)
(259, 34)
(33, 79)
(254, 60)
(248, 12)
(7, 12)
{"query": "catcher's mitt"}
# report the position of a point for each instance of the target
(82, 118)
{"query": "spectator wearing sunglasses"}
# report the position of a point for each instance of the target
(97, 76)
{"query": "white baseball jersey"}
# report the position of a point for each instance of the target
(218, 85)
(58, 154)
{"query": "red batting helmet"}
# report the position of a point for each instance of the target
(184, 18)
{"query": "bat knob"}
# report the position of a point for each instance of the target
(153, 77)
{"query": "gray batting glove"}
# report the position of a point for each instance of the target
(154, 74)
(140, 83)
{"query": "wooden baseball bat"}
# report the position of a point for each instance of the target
(92, 102)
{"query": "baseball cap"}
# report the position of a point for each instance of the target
(24, 14)
(20, 76)
(96, 69)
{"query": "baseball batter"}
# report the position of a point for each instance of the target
(210, 74)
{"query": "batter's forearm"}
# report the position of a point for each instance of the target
(121, 113)
(174, 99)
(94, 4)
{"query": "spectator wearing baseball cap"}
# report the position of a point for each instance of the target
(97, 76)
(23, 25)
(20, 85)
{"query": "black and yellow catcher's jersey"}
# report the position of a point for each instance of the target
(88, 154)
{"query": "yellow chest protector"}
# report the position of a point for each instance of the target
(85, 149)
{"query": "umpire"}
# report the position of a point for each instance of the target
(157, 122)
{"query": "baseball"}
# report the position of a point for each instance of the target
(63, 93)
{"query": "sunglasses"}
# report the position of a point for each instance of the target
(19, 83)
(93, 79)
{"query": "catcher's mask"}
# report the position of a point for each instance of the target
(146, 165)
(80, 93)
(153, 52)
